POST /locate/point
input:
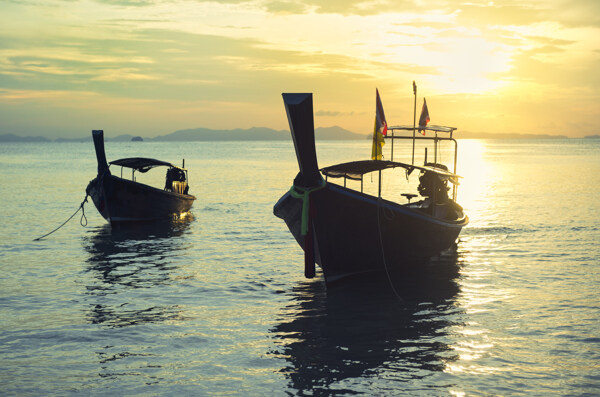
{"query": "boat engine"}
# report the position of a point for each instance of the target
(431, 185)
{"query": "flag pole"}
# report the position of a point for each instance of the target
(392, 159)
(392, 155)
(414, 121)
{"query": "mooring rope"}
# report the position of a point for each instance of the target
(81, 221)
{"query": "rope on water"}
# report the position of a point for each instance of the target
(81, 221)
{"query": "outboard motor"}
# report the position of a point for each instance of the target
(175, 181)
(432, 186)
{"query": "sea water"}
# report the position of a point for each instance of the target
(216, 303)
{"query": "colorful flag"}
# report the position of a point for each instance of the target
(424, 119)
(380, 116)
(378, 142)
(379, 130)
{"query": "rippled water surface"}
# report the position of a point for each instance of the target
(216, 303)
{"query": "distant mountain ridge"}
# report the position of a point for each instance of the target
(15, 138)
(207, 134)
(265, 134)
(253, 134)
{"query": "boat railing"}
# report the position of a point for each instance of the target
(436, 140)
(132, 173)
(176, 179)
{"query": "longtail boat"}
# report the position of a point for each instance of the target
(119, 199)
(348, 232)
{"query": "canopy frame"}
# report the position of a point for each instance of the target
(436, 140)
(143, 165)
(355, 170)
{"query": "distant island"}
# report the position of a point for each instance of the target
(207, 134)
(508, 135)
(255, 134)
(266, 134)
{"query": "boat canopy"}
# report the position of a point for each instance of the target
(142, 164)
(356, 169)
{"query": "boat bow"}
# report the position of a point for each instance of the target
(299, 109)
(98, 136)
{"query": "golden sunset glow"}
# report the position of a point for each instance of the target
(477, 178)
(152, 66)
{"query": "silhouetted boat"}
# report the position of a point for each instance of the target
(349, 232)
(121, 200)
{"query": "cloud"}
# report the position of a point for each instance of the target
(129, 3)
(211, 57)
(286, 7)
(569, 13)
(575, 13)
(521, 13)
(343, 7)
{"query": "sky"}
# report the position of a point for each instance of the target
(151, 67)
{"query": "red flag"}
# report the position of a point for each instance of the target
(424, 119)
(380, 117)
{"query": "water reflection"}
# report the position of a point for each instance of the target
(332, 337)
(127, 261)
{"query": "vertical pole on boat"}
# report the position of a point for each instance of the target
(435, 148)
(392, 159)
(454, 189)
(414, 121)
(379, 183)
(309, 245)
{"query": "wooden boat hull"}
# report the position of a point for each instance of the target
(356, 233)
(121, 200)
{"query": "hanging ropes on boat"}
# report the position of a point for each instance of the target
(304, 194)
(379, 207)
(82, 221)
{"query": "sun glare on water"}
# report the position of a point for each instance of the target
(476, 178)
